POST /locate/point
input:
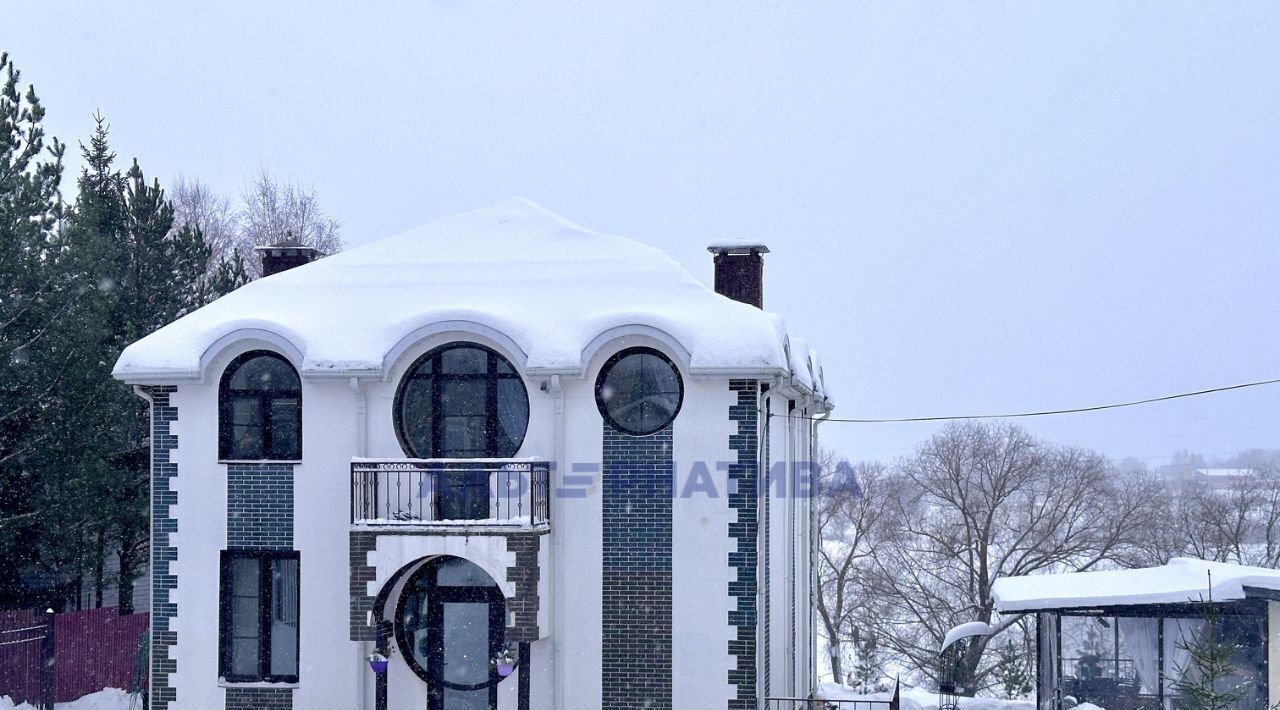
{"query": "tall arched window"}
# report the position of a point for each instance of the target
(260, 409)
(461, 400)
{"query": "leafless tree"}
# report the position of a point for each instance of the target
(271, 212)
(197, 205)
(852, 523)
(1238, 521)
(982, 502)
(275, 211)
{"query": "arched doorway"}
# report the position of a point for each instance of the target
(449, 624)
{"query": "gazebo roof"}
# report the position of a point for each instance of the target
(1182, 580)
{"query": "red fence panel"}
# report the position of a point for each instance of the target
(94, 649)
(22, 634)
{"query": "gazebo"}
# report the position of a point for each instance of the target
(1123, 639)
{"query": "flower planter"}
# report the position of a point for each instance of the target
(378, 666)
(506, 669)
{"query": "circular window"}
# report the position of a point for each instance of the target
(639, 391)
(461, 401)
(449, 625)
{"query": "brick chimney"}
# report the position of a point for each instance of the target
(285, 255)
(740, 271)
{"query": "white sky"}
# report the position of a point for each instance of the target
(972, 207)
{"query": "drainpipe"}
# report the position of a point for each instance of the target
(763, 492)
(558, 466)
(789, 526)
(145, 396)
(362, 418)
(815, 420)
(363, 648)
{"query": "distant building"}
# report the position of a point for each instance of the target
(537, 466)
(1215, 479)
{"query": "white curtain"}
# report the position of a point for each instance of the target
(1047, 636)
(1141, 639)
(1179, 635)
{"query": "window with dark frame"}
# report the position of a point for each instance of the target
(258, 616)
(461, 400)
(449, 623)
(639, 391)
(260, 409)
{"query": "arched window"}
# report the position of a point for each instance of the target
(461, 400)
(260, 409)
(639, 391)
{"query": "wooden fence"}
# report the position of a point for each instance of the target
(89, 650)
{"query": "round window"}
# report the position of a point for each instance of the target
(461, 401)
(639, 391)
(449, 624)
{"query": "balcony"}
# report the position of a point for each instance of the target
(451, 493)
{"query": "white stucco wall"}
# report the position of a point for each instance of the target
(331, 665)
(701, 546)
(321, 493)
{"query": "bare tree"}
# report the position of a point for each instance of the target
(983, 502)
(1157, 541)
(851, 524)
(1238, 521)
(275, 211)
(196, 205)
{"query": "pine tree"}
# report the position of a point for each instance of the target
(230, 275)
(143, 276)
(33, 295)
(1210, 680)
(77, 455)
(1011, 671)
(866, 667)
(1090, 664)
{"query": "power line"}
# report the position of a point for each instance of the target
(1052, 412)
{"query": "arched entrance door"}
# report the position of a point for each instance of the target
(449, 625)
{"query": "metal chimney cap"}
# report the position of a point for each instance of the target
(291, 244)
(737, 246)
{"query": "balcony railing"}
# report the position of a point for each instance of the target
(818, 704)
(892, 703)
(450, 492)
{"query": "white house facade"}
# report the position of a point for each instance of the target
(531, 465)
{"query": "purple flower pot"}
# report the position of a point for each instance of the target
(379, 666)
(505, 669)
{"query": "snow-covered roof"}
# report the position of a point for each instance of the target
(965, 630)
(554, 290)
(1181, 580)
(1224, 472)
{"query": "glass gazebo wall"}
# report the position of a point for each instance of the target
(1129, 661)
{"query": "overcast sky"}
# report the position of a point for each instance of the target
(972, 207)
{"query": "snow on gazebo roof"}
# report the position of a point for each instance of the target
(513, 269)
(1180, 581)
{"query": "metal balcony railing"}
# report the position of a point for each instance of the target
(893, 703)
(450, 491)
(818, 704)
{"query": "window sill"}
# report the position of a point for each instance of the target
(261, 461)
(255, 684)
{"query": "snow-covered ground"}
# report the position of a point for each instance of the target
(109, 699)
(920, 699)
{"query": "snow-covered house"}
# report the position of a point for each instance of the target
(536, 466)
(1217, 479)
(1124, 639)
